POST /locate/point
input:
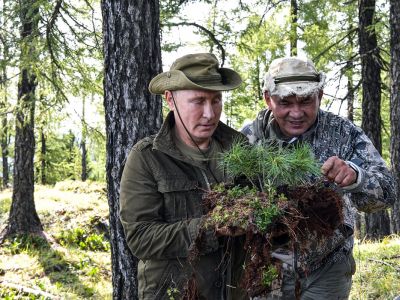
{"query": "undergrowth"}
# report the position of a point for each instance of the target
(377, 269)
(73, 261)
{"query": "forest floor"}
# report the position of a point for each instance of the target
(75, 261)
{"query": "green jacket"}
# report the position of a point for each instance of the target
(160, 207)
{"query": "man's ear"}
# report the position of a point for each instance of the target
(168, 97)
(267, 98)
(320, 94)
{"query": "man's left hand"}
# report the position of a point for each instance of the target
(338, 171)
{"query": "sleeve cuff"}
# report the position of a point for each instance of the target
(209, 241)
(360, 175)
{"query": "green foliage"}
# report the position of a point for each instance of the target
(271, 165)
(242, 159)
(84, 240)
(61, 159)
(239, 206)
(10, 294)
(237, 192)
(85, 187)
(378, 269)
(257, 44)
(232, 207)
(269, 275)
(25, 243)
(264, 215)
(5, 204)
(172, 293)
(68, 272)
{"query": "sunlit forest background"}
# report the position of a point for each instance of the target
(56, 133)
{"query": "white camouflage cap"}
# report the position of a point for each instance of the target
(293, 76)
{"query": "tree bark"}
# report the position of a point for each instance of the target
(132, 57)
(350, 80)
(395, 105)
(23, 217)
(4, 104)
(4, 150)
(43, 157)
(293, 27)
(377, 224)
(83, 143)
(350, 97)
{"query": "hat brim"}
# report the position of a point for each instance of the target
(177, 80)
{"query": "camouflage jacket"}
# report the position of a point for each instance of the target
(332, 135)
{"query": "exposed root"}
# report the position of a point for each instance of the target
(303, 210)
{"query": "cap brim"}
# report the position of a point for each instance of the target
(299, 88)
(177, 80)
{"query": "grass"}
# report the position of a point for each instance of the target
(69, 270)
(74, 262)
(378, 269)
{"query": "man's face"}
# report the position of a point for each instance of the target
(200, 112)
(294, 114)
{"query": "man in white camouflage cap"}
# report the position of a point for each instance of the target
(293, 90)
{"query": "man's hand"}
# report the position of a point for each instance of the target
(229, 231)
(338, 171)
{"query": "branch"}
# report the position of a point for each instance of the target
(75, 20)
(27, 290)
(98, 43)
(49, 28)
(267, 9)
(315, 59)
(384, 263)
(208, 32)
(89, 127)
(58, 88)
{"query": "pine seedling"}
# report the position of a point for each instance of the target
(270, 164)
(303, 164)
(290, 166)
(242, 159)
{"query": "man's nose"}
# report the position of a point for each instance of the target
(208, 111)
(296, 111)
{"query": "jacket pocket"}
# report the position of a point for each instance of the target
(156, 277)
(182, 199)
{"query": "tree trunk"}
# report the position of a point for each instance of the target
(293, 27)
(83, 143)
(23, 217)
(4, 104)
(377, 224)
(395, 105)
(4, 150)
(132, 56)
(43, 157)
(350, 97)
(350, 72)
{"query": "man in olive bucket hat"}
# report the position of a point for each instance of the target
(293, 89)
(163, 181)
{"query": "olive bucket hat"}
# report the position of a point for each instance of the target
(293, 76)
(198, 71)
